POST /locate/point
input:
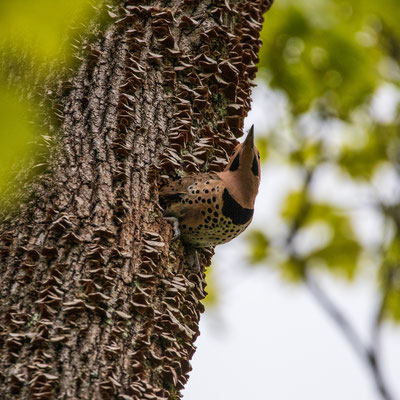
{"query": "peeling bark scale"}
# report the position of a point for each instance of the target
(96, 302)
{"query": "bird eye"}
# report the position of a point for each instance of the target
(258, 155)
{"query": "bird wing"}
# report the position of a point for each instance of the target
(181, 197)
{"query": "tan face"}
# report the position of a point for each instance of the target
(246, 159)
(242, 174)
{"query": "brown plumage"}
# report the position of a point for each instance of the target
(213, 208)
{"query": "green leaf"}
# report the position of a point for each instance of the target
(258, 246)
(361, 161)
(262, 146)
(212, 288)
(341, 253)
(393, 305)
(292, 270)
(340, 256)
(292, 204)
(34, 37)
(309, 154)
(323, 53)
(18, 134)
(389, 276)
(41, 27)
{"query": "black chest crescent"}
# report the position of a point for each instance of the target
(233, 210)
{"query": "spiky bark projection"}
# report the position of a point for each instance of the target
(96, 302)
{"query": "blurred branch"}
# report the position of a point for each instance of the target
(390, 41)
(368, 355)
(376, 325)
(303, 209)
(337, 316)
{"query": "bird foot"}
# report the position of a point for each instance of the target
(175, 225)
(193, 259)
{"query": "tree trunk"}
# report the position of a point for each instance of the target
(97, 302)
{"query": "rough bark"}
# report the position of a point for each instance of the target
(96, 301)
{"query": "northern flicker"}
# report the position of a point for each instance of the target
(214, 208)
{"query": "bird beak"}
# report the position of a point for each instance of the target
(249, 141)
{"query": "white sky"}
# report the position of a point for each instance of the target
(271, 341)
(268, 339)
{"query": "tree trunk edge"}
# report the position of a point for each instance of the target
(96, 302)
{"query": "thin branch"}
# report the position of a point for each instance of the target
(303, 209)
(368, 355)
(377, 321)
(336, 315)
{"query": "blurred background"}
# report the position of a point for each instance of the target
(306, 303)
(36, 39)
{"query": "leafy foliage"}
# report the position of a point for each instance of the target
(330, 59)
(41, 28)
(258, 246)
(34, 37)
(18, 133)
(360, 161)
(328, 52)
(212, 288)
(336, 248)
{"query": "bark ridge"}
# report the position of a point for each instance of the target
(95, 301)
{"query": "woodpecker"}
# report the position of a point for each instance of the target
(214, 208)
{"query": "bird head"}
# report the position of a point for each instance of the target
(243, 170)
(246, 157)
